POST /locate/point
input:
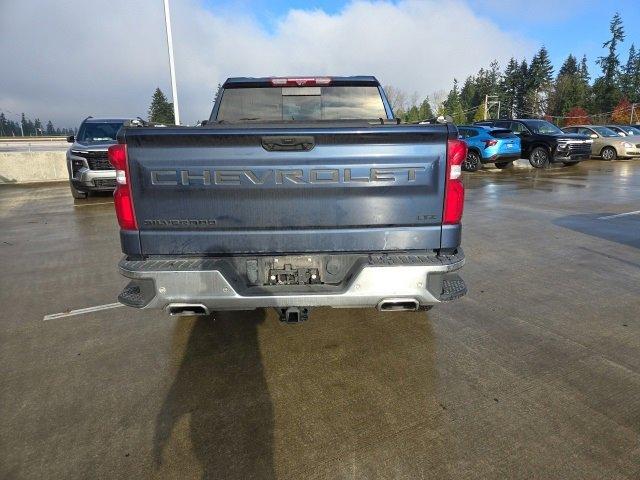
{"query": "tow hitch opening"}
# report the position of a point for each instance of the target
(293, 314)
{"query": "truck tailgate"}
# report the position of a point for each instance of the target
(278, 190)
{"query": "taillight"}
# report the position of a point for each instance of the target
(300, 81)
(490, 143)
(122, 196)
(454, 190)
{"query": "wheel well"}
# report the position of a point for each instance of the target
(541, 145)
(608, 146)
(475, 149)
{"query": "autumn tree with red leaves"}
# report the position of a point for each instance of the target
(577, 116)
(622, 112)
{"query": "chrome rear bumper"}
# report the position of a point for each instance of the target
(161, 283)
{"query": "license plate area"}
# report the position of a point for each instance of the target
(294, 275)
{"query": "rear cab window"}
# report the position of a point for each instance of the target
(332, 102)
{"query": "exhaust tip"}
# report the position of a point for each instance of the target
(399, 305)
(186, 309)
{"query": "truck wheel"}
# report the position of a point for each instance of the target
(502, 165)
(609, 153)
(472, 163)
(77, 194)
(539, 157)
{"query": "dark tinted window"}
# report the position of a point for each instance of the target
(98, 132)
(301, 103)
(506, 125)
(501, 134)
(517, 127)
(542, 127)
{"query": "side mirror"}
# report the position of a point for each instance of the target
(593, 135)
(71, 139)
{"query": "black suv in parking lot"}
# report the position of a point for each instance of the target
(542, 142)
(87, 163)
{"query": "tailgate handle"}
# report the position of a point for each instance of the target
(288, 144)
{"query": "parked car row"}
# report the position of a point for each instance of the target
(608, 143)
(541, 142)
(491, 141)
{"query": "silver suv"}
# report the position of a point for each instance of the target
(87, 163)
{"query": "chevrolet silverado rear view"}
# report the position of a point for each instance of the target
(297, 192)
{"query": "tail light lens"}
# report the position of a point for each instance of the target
(489, 143)
(122, 196)
(454, 190)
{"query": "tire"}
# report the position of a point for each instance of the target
(472, 163)
(570, 164)
(502, 165)
(78, 194)
(609, 153)
(539, 157)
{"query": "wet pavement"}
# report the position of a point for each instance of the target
(534, 374)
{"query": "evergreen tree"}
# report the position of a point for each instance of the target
(468, 94)
(4, 126)
(606, 88)
(571, 90)
(161, 110)
(509, 87)
(522, 101)
(37, 126)
(50, 130)
(569, 67)
(540, 81)
(218, 90)
(630, 78)
(424, 110)
(584, 70)
(452, 105)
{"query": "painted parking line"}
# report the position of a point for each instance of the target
(81, 311)
(608, 217)
(92, 204)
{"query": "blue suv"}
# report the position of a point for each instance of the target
(488, 145)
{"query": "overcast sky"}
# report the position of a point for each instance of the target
(65, 60)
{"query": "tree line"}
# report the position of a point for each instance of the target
(529, 89)
(29, 128)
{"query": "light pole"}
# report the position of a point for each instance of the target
(174, 90)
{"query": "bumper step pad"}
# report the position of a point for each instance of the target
(453, 287)
(138, 293)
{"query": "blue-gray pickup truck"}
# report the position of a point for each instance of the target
(296, 193)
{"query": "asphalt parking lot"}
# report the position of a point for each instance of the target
(534, 374)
